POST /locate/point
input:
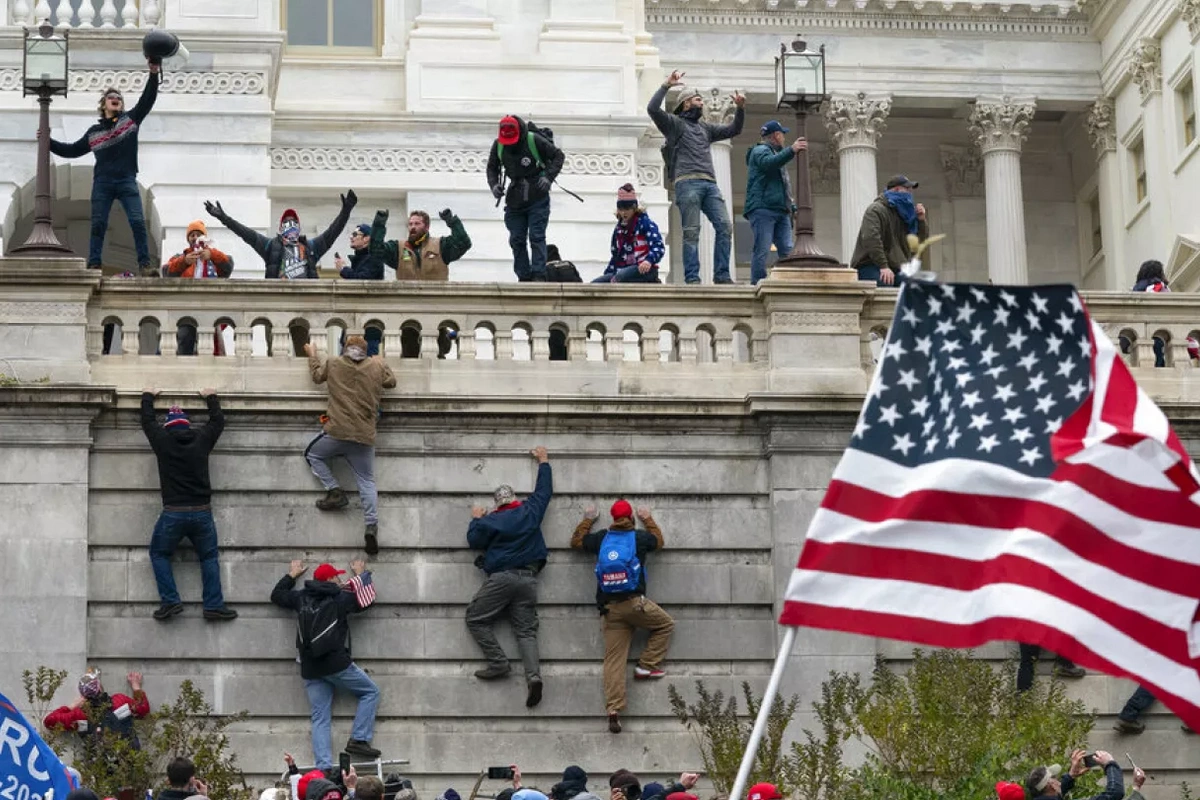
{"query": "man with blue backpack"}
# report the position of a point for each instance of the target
(621, 552)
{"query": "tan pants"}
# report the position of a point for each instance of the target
(618, 624)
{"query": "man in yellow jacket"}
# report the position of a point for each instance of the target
(356, 384)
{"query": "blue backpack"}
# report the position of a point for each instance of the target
(618, 569)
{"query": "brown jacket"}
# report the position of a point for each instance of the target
(883, 238)
(432, 266)
(355, 389)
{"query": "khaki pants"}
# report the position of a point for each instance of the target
(618, 624)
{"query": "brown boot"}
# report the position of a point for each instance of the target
(333, 500)
(614, 722)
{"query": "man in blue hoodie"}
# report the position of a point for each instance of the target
(514, 553)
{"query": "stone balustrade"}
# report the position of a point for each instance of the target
(86, 13)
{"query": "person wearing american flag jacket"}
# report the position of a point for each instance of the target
(327, 665)
(114, 142)
(637, 246)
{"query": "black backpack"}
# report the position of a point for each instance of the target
(668, 156)
(530, 129)
(321, 628)
(562, 272)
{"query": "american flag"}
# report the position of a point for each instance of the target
(363, 588)
(1007, 480)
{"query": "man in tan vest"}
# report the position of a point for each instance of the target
(420, 257)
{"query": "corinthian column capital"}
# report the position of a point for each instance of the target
(1145, 67)
(1100, 122)
(856, 120)
(719, 107)
(1001, 123)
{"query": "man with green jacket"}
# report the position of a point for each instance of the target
(882, 246)
(769, 203)
(420, 257)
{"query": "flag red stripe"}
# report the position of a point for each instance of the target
(1068, 440)
(942, 634)
(1121, 398)
(1006, 513)
(966, 575)
(1153, 505)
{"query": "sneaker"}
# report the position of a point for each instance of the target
(691, 282)
(1069, 670)
(493, 673)
(1132, 726)
(614, 722)
(163, 613)
(333, 500)
(357, 747)
(534, 696)
(222, 614)
(372, 539)
(643, 674)
(723, 280)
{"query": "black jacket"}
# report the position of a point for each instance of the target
(170, 793)
(364, 266)
(273, 250)
(114, 142)
(183, 454)
(522, 168)
(287, 596)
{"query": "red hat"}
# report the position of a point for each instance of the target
(302, 784)
(621, 508)
(326, 572)
(1009, 791)
(289, 213)
(764, 791)
(510, 131)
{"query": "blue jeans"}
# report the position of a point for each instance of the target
(629, 275)
(694, 197)
(528, 223)
(320, 700)
(770, 227)
(870, 272)
(197, 526)
(1138, 702)
(104, 192)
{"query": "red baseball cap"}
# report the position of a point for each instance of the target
(621, 508)
(764, 791)
(510, 131)
(682, 796)
(326, 572)
(1009, 791)
(302, 784)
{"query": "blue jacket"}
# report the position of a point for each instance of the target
(114, 142)
(512, 537)
(765, 186)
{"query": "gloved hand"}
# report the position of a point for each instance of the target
(497, 192)
(543, 185)
(350, 199)
(215, 210)
(383, 214)
(446, 215)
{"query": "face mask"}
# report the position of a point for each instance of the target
(290, 231)
(692, 114)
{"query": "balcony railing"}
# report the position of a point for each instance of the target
(86, 13)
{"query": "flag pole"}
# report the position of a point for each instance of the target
(764, 713)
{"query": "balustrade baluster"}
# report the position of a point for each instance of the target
(150, 13)
(281, 342)
(129, 339)
(95, 340)
(63, 14)
(243, 341)
(21, 13)
(129, 14)
(614, 346)
(168, 345)
(429, 343)
(466, 345)
(41, 11)
(724, 348)
(391, 343)
(502, 341)
(650, 346)
(577, 345)
(687, 348)
(87, 13)
(540, 346)
(108, 14)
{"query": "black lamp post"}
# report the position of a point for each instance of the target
(44, 74)
(800, 86)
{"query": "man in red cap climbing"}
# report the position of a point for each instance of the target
(621, 552)
(289, 255)
(322, 609)
(530, 162)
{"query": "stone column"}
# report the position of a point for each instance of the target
(719, 110)
(999, 125)
(1101, 127)
(855, 122)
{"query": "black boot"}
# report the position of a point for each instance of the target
(534, 694)
(163, 613)
(333, 500)
(371, 538)
(493, 672)
(357, 747)
(222, 614)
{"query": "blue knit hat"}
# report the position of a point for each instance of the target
(176, 418)
(364, 229)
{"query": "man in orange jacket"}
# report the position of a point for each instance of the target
(199, 260)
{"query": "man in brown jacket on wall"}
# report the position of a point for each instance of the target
(882, 246)
(356, 385)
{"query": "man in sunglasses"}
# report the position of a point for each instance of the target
(114, 142)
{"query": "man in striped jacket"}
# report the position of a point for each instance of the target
(114, 142)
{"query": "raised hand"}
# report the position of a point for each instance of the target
(350, 198)
(675, 78)
(297, 568)
(207, 393)
(214, 209)
(478, 512)
(739, 99)
(540, 454)
(309, 350)
(446, 215)
(590, 512)
(643, 514)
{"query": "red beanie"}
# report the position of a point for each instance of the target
(621, 508)
(302, 784)
(626, 196)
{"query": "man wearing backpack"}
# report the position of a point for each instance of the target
(530, 163)
(514, 553)
(621, 552)
(688, 155)
(323, 607)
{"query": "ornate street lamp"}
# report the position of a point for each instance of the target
(800, 86)
(44, 74)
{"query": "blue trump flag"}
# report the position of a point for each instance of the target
(28, 767)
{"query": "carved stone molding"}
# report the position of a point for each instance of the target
(97, 80)
(1101, 125)
(50, 313)
(1001, 123)
(1189, 11)
(856, 120)
(815, 322)
(405, 160)
(963, 168)
(824, 169)
(718, 107)
(649, 175)
(1145, 67)
(1028, 18)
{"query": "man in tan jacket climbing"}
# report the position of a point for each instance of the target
(356, 384)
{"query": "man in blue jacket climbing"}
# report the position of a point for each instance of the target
(514, 553)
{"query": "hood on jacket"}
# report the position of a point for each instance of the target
(319, 788)
(322, 588)
(566, 790)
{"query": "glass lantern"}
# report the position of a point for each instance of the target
(45, 61)
(799, 75)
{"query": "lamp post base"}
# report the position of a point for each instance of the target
(807, 255)
(42, 243)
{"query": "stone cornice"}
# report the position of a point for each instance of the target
(1101, 125)
(1001, 123)
(856, 120)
